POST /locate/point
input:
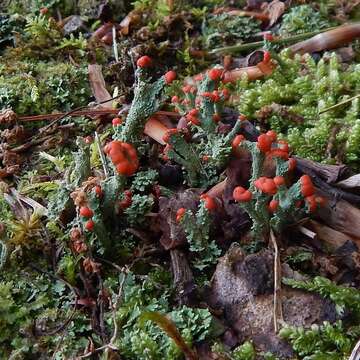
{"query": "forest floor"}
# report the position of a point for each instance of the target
(179, 179)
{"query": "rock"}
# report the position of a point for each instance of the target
(73, 25)
(242, 286)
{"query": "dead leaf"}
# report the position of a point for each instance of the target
(132, 18)
(98, 87)
(274, 10)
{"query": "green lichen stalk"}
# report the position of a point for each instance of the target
(148, 97)
(201, 148)
(270, 203)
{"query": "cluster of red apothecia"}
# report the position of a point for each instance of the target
(215, 96)
(145, 62)
(269, 145)
(123, 155)
(210, 204)
(166, 139)
(87, 213)
(270, 186)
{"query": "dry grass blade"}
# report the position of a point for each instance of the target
(277, 314)
(355, 355)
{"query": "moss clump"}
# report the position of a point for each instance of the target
(304, 90)
(42, 87)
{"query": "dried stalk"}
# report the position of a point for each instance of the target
(339, 104)
(88, 112)
(102, 156)
(277, 311)
(328, 40)
(259, 44)
(355, 355)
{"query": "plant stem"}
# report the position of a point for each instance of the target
(257, 44)
(339, 104)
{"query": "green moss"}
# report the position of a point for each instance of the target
(42, 87)
(305, 89)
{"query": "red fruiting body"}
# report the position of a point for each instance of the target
(128, 193)
(179, 214)
(210, 203)
(193, 112)
(268, 37)
(116, 121)
(267, 57)
(273, 205)
(215, 74)
(266, 185)
(98, 191)
(269, 187)
(144, 61)
(215, 97)
(165, 151)
(283, 145)
(279, 180)
(168, 134)
(123, 156)
(205, 158)
(198, 77)
(237, 141)
(193, 90)
(307, 187)
(241, 195)
(125, 203)
(86, 212)
(107, 148)
(44, 10)
(170, 76)
(207, 94)
(258, 183)
(186, 89)
(264, 143)
(272, 134)
(279, 153)
(225, 93)
(311, 202)
(175, 99)
(242, 117)
(89, 225)
(193, 119)
(292, 164)
(216, 117)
